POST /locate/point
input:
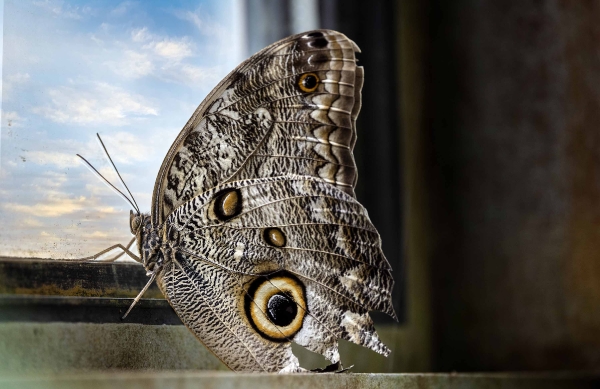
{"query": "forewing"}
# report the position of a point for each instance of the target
(331, 248)
(259, 122)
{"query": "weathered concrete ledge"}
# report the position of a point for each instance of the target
(183, 380)
(71, 348)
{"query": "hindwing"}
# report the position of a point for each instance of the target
(331, 249)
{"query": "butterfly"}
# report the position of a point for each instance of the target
(255, 236)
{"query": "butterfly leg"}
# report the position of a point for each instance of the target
(125, 250)
(139, 296)
(120, 246)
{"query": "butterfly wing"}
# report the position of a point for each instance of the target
(257, 196)
(329, 261)
(262, 120)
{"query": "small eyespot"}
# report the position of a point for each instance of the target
(276, 306)
(316, 39)
(308, 82)
(274, 237)
(318, 43)
(228, 204)
(314, 34)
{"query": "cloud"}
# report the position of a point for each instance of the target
(125, 147)
(58, 204)
(55, 158)
(49, 184)
(193, 75)
(172, 49)
(122, 8)
(164, 57)
(11, 82)
(204, 25)
(11, 119)
(132, 65)
(100, 104)
(140, 35)
(111, 61)
(96, 39)
(105, 27)
(49, 235)
(51, 208)
(59, 9)
(19, 77)
(166, 47)
(95, 235)
(221, 40)
(30, 222)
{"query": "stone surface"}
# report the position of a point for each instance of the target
(302, 381)
(29, 347)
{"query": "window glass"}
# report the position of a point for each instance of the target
(133, 72)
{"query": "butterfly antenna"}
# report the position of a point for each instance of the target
(118, 174)
(97, 173)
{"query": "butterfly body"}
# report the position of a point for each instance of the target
(255, 236)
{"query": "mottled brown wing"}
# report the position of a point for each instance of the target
(329, 254)
(289, 109)
(206, 298)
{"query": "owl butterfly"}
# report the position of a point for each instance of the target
(255, 236)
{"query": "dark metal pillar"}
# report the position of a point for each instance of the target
(515, 97)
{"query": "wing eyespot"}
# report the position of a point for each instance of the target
(308, 82)
(314, 34)
(318, 43)
(227, 204)
(317, 40)
(276, 306)
(274, 237)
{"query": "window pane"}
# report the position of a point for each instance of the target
(133, 72)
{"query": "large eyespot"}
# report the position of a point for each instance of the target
(228, 203)
(276, 306)
(308, 82)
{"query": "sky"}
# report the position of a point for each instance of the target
(132, 71)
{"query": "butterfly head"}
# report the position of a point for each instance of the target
(135, 222)
(139, 223)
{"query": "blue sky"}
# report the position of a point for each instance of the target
(132, 71)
